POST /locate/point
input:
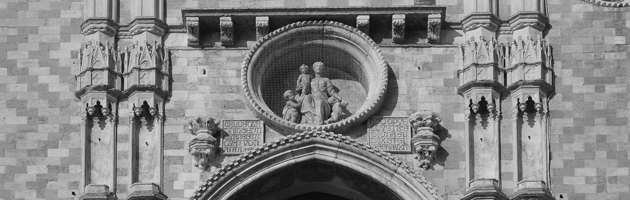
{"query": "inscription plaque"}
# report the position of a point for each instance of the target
(241, 136)
(392, 134)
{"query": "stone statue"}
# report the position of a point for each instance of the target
(291, 109)
(303, 86)
(337, 109)
(315, 106)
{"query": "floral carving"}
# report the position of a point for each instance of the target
(226, 30)
(262, 27)
(527, 60)
(434, 29)
(99, 65)
(192, 27)
(147, 65)
(363, 23)
(203, 146)
(426, 143)
(398, 28)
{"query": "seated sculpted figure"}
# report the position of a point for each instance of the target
(315, 106)
(291, 109)
(337, 109)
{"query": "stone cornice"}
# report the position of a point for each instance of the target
(147, 24)
(605, 3)
(252, 156)
(535, 20)
(105, 25)
(320, 11)
(481, 19)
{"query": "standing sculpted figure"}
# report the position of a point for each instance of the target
(303, 86)
(315, 106)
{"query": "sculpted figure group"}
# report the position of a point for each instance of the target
(315, 99)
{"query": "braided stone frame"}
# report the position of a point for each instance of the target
(352, 37)
(323, 146)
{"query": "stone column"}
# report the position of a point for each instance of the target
(147, 80)
(481, 84)
(529, 78)
(99, 84)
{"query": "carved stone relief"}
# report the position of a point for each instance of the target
(262, 27)
(398, 28)
(226, 31)
(203, 147)
(425, 141)
(434, 28)
(192, 28)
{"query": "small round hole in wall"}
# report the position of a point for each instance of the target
(562, 197)
(74, 194)
(99, 139)
(529, 137)
(146, 143)
(203, 71)
(481, 139)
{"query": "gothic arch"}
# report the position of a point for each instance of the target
(321, 147)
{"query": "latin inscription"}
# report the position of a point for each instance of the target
(240, 136)
(391, 134)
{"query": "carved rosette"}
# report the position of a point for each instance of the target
(426, 143)
(434, 28)
(398, 28)
(147, 67)
(529, 62)
(203, 147)
(226, 28)
(262, 27)
(192, 27)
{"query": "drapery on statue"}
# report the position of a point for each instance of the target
(322, 105)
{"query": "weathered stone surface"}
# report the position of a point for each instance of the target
(241, 136)
(391, 134)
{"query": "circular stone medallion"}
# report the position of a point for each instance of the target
(353, 63)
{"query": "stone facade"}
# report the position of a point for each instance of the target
(195, 64)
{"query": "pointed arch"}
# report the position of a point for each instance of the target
(323, 147)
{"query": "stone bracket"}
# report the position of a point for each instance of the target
(192, 28)
(398, 28)
(262, 27)
(226, 27)
(203, 147)
(232, 19)
(434, 28)
(425, 141)
(146, 191)
(484, 189)
(363, 23)
(526, 190)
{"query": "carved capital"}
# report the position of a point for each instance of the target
(398, 28)
(529, 62)
(100, 68)
(226, 31)
(147, 66)
(203, 146)
(192, 27)
(262, 27)
(434, 28)
(363, 23)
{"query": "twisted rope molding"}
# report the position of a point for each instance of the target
(374, 103)
(603, 3)
(304, 136)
